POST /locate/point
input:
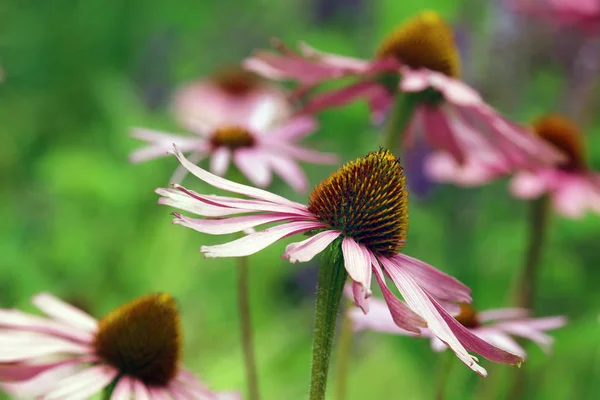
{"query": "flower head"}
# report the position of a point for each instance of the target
(363, 207)
(573, 187)
(497, 326)
(137, 347)
(253, 137)
(422, 60)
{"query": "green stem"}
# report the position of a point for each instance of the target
(246, 329)
(344, 353)
(446, 362)
(332, 276)
(537, 233)
(398, 120)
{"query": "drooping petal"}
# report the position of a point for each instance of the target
(18, 320)
(293, 129)
(257, 241)
(439, 132)
(64, 312)
(437, 345)
(289, 171)
(224, 184)
(254, 166)
(43, 382)
(186, 202)
(571, 195)
(357, 261)
(20, 346)
(219, 161)
(229, 225)
(340, 97)
(180, 172)
(502, 313)
(140, 391)
(83, 384)
(501, 340)
(123, 390)
(303, 154)
(438, 284)
(528, 185)
(306, 250)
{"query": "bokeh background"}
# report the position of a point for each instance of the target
(78, 220)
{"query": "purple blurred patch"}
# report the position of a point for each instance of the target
(419, 184)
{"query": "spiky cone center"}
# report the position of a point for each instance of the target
(424, 41)
(367, 201)
(233, 137)
(142, 339)
(236, 81)
(468, 316)
(566, 136)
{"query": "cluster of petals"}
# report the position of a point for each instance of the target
(53, 358)
(584, 14)
(274, 138)
(463, 124)
(498, 327)
(427, 291)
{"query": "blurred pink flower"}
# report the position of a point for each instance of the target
(422, 55)
(256, 142)
(71, 355)
(497, 326)
(584, 14)
(363, 207)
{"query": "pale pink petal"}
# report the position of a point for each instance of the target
(361, 295)
(533, 329)
(186, 378)
(229, 396)
(178, 199)
(83, 384)
(24, 371)
(379, 319)
(442, 167)
(18, 320)
(357, 261)
(305, 250)
(528, 185)
(455, 91)
(21, 346)
(153, 136)
(180, 173)
(158, 393)
(439, 133)
(289, 171)
(224, 184)
(293, 129)
(503, 313)
(219, 161)
(228, 225)
(437, 345)
(501, 340)
(123, 390)
(43, 382)
(349, 63)
(263, 115)
(342, 96)
(254, 165)
(442, 324)
(257, 241)
(64, 312)
(140, 391)
(542, 324)
(438, 284)
(571, 195)
(302, 154)
(403, 316)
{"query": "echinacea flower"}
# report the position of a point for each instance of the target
(70, 355)
(258, 144)
(571, 185)
(583, 14)
(422, 55)
(362, 208)
(495, 326)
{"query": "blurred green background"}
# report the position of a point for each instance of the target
(81, 222)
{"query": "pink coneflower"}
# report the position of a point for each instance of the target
(362, 209)
(257, 146)
(422, 55)
(70, 355)
(497, 326)
(571, 185)
(584, 14)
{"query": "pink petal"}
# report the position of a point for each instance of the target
(83, 384)
(501, 340)
(219, 161)
(342, 96)
(21, 346)
(503, 313)
(64, 312)
(43, 382)
(378, 319)
(302, 154)
(224, 184)
(257, 241)
(190, 381)
(254, 166)
(293, 129)
(306, 250)
(290, 172)
(438, 284)
(335, 60)
(229, 225)
(264, 114)
(403, 316)
(439, 133)
(20, 321)
(572, 195)
(361, 295)
(528, 185)
(19, 372)
(184, 201)
(140, 391)
(437, 345)
(157, 393)
(180, 173)
(357, 262)
(123, 390)
(443, 325)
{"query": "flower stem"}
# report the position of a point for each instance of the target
(344, 350)
(246, 328)
(446, 361)
(332, 276)
(398, 120)
(537, 233)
